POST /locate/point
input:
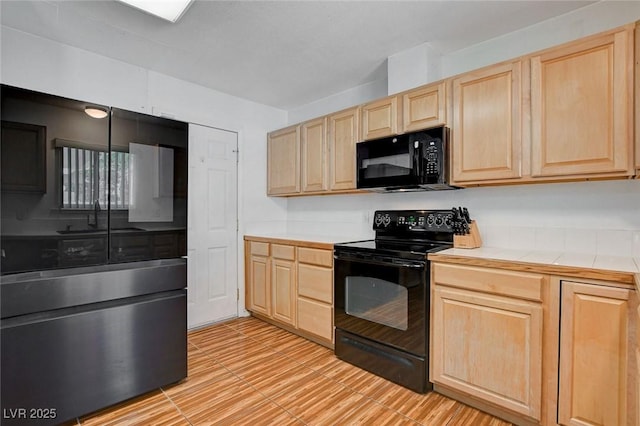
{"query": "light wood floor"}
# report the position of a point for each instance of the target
(248, 372)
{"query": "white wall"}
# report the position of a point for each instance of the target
(592, 217)
(588, 20)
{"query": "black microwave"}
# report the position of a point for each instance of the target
(409, 162)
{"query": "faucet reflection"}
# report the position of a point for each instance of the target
(96, 209)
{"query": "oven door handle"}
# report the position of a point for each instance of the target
(384, 261)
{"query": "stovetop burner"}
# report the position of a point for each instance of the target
(396, 248)
(406, 233)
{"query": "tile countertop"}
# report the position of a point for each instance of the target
(599, 267)
(321, 241)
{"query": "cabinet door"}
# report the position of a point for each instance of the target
(594, 355)
(424, 107)
(259, 285)
(380, 118)
(342, 138)
(316, 318)
(283, 284)
(313, 139)
(23, 153)
(487, 134)
(489, 347)
(582, 106)
(283, 161)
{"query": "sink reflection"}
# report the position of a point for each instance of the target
(97, 231)
(81, 231)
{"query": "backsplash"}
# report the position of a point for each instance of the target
(582, 217)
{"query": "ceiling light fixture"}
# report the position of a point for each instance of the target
(95, 111)
(171, 10)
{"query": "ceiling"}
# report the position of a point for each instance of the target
(279, 53)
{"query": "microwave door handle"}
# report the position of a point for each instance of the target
(416, 153)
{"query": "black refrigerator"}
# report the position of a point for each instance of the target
(92, 256)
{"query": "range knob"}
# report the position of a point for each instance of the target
(438, 221)
(386, 220)
(378, 220)
(448, 219)
(430, 220)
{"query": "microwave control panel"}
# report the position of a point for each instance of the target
(432, 154)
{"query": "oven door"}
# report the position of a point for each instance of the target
(383, 299)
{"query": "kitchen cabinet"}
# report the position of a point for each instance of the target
(313, 141)
(535, 348)
(487, 130)
(271, 281)
(314, 157)
(283, 161)
(258, 278)
(380, 118)
(315, 292)
(23, 155)
(424, 107)
(486, 335)
(290, 284)
(582, 107)
(342, 137)
(283, 283)
(596, 369)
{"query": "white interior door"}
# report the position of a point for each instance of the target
(212, 277)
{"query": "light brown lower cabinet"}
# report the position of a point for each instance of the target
(258, 274)
(291, 286)
(486, 338)
(535, 349)
(315, 292)
(597, 369)
(283, 283)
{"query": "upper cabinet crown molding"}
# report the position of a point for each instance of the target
(582, 107)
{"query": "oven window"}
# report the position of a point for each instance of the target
(377, 300)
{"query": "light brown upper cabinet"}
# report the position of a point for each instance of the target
(424, 107)
(283, 161)
(380, 118)
(313, 140)
(582, 107)
(343, 136)
(487, 131)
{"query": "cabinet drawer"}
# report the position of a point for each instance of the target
(506, 283)
(283, 252)
(260, 249)
(315, 282)
(315, 256)
(316, 318)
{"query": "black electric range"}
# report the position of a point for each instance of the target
(381, 295)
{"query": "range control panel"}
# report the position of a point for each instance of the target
(413, 220)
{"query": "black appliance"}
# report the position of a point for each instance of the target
(381, 295)
(92, 239)
(409, 162)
